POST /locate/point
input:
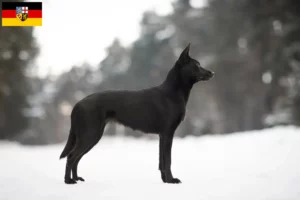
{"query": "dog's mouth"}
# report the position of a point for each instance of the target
(203, 78)
(206, 77)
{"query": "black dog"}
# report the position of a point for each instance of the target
(155, 110)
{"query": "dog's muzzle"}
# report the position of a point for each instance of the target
(208, 76)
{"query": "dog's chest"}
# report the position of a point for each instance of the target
(181, 110)
(182, 117)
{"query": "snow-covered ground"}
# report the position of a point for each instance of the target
(259, 165)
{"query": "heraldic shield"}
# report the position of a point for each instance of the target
(22, 13)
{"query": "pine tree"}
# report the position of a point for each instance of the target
(17, 51)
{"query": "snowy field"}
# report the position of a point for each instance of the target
(260, 165)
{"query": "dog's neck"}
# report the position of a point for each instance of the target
(173, 82)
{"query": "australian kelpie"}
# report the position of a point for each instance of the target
(157, 110)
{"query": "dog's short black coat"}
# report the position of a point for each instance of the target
(158, 110)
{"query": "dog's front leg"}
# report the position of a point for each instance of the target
(165, 148)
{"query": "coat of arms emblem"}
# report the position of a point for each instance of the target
(22, 13)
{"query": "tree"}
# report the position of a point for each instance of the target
(17, 51)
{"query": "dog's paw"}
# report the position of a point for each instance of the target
(174, 181)
(78, 179)
(70, 181)
(163, 177)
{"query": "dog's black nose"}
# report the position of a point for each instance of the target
(212, 74)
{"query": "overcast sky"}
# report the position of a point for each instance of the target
(75, 31)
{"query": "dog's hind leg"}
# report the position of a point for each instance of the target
(70, 162)
(81, 146)
(75, 166)
(84, 143)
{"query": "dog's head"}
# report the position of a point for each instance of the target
(191, 70)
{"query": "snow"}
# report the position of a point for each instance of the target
(258, 165)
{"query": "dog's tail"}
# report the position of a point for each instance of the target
(69, 146)
(72, 136)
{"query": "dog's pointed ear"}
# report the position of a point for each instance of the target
(184, 56)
